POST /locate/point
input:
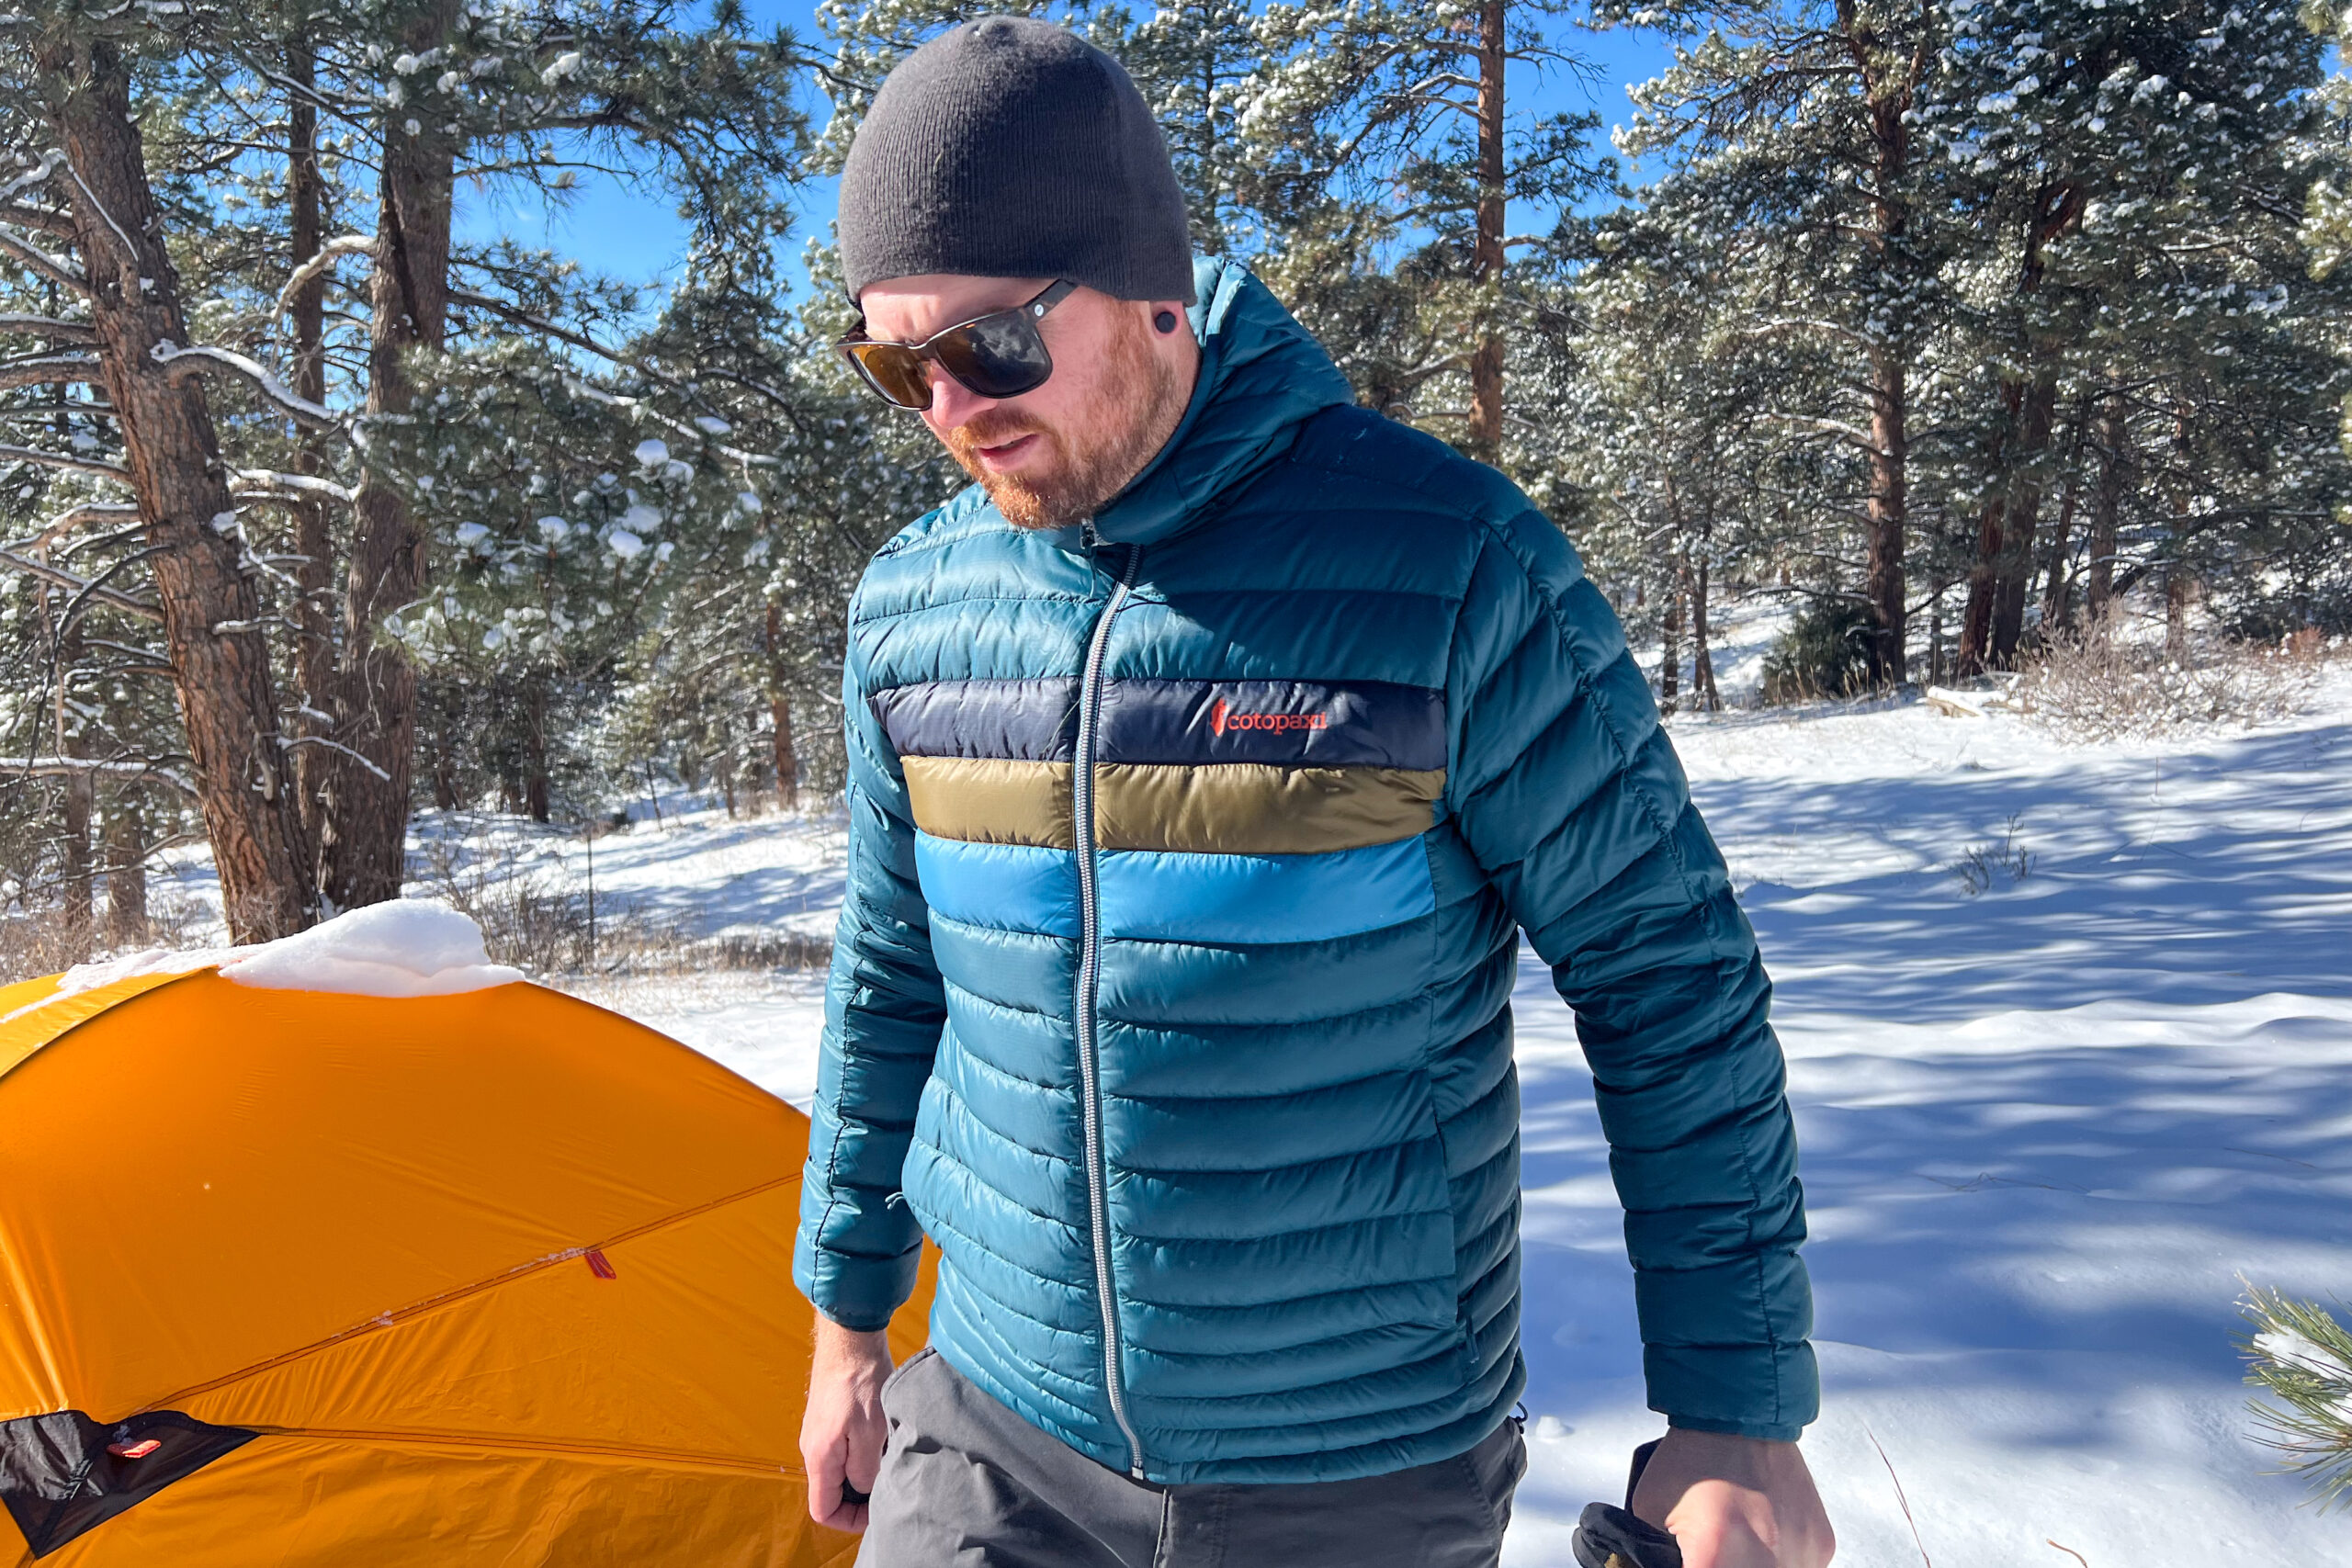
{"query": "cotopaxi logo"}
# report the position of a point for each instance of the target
(1223, 717)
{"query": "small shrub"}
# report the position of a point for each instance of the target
(1825, 653)
(1983, 867)
(2101, 687)
(2302, 1357)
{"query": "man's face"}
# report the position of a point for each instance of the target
(1053, 456)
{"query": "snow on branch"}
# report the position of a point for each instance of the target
(83, 587)
(71, 767)
(54, 268)
(97, 466)
(47, 326)
(33, 177)
(269, 484)
(72, 517)
(342, 246)
(48, 369)
(204, 354)
(290, 742)
(640, 407)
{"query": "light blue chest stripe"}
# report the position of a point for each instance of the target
(1162, 895)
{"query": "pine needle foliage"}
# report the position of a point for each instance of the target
(2301, 1358)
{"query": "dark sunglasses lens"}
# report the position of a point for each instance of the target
(895, 371)
(997, 357)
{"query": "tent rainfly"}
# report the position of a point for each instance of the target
(356, 1249)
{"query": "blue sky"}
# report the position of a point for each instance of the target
(633, 235)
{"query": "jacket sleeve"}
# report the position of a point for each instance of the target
(885, 1007)
(1569, 795)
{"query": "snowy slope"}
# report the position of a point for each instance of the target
(2044, 1127)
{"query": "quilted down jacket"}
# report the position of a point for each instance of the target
(1189, 855)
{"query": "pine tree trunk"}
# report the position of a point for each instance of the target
(535, 751)
(376, 687)
(314, 650)
(1703, 660)
(2107, 503)
(1487, 258)
(1670, 663)
(1977, 613)
(244, 784)
(1889, 503)
(2057, 594)
(787, 765)
(80, 865)
(1889, 510)
(2013, 570)
(126, 871)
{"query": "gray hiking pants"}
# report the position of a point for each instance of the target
(967, 1483)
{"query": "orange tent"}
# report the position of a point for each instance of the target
(294, 1277)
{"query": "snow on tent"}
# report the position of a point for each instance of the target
(354, 1249)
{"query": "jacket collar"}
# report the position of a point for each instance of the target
(1261, 376)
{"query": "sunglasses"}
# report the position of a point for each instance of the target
(1001, 354)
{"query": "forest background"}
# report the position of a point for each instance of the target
(1975, 330)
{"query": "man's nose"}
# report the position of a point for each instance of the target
(952, 403)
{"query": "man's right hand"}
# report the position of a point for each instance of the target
(842, 1429)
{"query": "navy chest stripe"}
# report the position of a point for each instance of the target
(1322, 724)
(1021, 721)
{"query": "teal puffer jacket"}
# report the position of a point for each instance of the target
(1189, 854)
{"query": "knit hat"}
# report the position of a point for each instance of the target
(1007, 147)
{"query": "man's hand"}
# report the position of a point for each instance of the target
(841, 1432)
(1735, 1502)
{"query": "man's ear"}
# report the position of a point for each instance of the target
(1165, 320)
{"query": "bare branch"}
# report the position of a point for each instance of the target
(58, 223)
(73, 517)
(61, 369)
(47, 326)
(290, 742)
(54, 268)
(102, 468)
(70, 767)
(75, 581)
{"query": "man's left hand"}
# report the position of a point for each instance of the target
(1735, 1502)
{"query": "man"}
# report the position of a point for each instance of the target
(1206, 759)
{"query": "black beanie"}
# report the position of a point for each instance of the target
(1009, 147)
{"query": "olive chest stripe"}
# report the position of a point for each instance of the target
(989, 800)
(1326, 724)
(1256, 809)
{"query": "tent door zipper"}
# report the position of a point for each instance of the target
(1089, 943)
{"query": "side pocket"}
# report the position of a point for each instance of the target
(1433, 1138)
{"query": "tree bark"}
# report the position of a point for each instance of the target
(2107, 503)
(1486, 257)
(787, 764)
(375, 707)
(1703, 660)
(314, 651)
(1889, 510)
(1670, 663)
(1977, 613)
(219, 659)
(126, 871)
(2057, 593)
(2013, 570)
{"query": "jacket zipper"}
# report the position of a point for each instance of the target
(1090, 940)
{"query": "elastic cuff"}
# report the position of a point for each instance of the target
(1761, 1431)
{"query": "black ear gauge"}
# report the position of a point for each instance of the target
(1165, 320)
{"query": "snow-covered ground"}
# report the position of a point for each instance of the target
(2046, 1127)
